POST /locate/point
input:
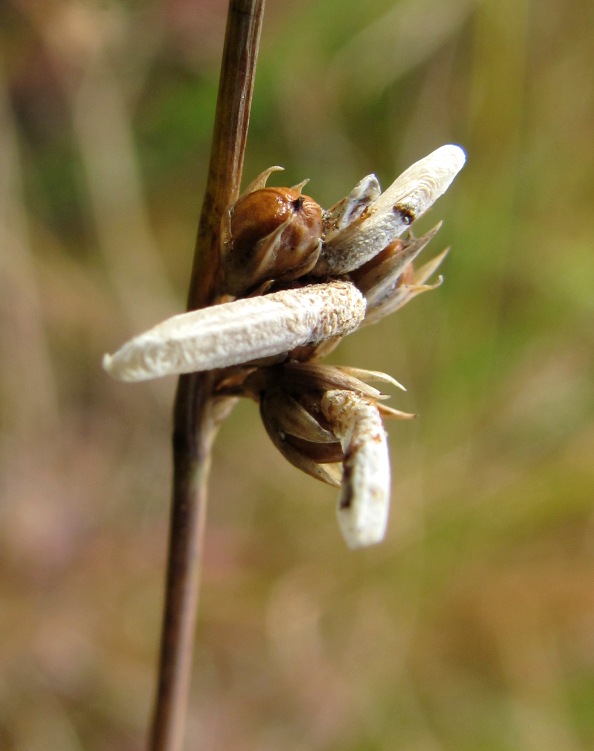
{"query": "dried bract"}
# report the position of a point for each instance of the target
(383, 280)
(350, 208)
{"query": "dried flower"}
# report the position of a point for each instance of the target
(314, 277)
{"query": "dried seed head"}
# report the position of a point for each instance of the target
(326, 420)
(271, 233)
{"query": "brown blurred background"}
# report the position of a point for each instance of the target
(472, 627)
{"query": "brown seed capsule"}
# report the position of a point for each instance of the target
(271, 233)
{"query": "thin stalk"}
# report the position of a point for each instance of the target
(194, 423)
(236, 85)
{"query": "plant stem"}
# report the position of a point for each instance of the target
(194, 423)
(242, 39)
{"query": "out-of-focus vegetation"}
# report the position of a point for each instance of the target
(472, 627)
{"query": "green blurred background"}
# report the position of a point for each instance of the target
(472, 626)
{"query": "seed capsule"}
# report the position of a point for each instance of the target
(271, 233)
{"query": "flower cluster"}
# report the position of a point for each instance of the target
(296, 279)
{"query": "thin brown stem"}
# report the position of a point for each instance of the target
(194, 424)
(236, 85)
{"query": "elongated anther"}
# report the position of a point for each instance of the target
(364, 501)
(240, 331)
(389, 215)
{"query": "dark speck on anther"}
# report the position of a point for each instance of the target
(407, 214)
